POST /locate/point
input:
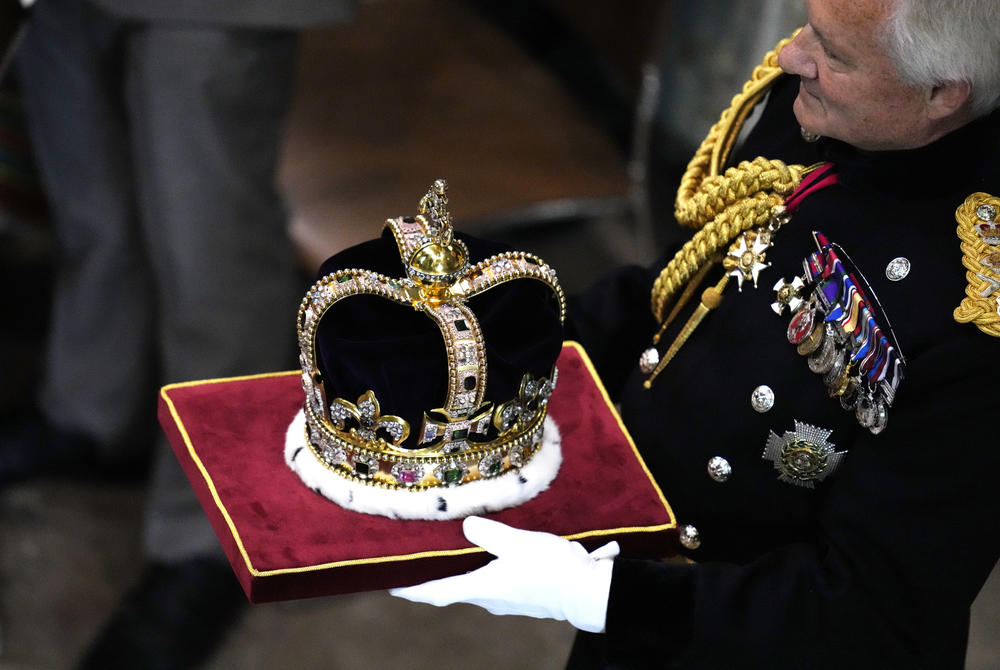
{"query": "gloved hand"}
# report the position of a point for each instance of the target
(534, 574)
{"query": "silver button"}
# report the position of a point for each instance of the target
(648, 361)
(986, 212)
(719, 468)
(689, 537)
(897, 269)
(762, 398)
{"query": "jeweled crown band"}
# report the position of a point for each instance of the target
(357, 452)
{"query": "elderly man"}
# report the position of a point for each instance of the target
(827, 443)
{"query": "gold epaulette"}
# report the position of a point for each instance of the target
(979, 232)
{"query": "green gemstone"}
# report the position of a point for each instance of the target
(495, 467)
(460, 434)
(344, 278)
(453, 475)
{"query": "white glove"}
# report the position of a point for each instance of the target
(534, 574)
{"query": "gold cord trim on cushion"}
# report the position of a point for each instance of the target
(979, 232)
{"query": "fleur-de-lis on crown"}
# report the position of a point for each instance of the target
(368, 416)
(520, 411)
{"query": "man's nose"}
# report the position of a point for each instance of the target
(795, 57)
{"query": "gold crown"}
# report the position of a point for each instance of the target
(353, 438)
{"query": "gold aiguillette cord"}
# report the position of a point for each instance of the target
(710, 299)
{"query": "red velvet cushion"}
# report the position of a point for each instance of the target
(284, 541)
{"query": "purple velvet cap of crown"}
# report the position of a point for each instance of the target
(370, 343)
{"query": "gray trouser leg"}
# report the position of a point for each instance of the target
(206, 109)
(157, 144)
(98, 379)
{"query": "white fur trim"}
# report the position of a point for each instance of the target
(438, 504)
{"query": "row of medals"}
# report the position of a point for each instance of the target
(828, 350)
(827, 347)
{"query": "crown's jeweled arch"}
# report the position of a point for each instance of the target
(355, 439)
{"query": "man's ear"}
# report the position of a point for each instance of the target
(946, 99)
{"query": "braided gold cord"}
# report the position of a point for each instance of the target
(721, 207)
(975, 308)
(720, 138)
(720, 191)
(734, 220)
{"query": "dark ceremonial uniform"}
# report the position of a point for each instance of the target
(877, 564)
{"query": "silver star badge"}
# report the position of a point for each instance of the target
(745, 259)
(803, 456)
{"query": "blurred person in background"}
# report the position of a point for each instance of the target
(157, 127)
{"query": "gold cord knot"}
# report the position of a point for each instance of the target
(722, 206)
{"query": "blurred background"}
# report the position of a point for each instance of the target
(547, 121)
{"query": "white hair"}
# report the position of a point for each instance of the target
(938, 41)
